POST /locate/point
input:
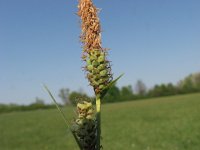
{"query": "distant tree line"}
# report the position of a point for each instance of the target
(38, 104)
(189, 84)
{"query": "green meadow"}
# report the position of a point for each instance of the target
(168, 123)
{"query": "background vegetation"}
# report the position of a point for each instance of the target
(190, 84)
(168, 123)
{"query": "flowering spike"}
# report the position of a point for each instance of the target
(84, 126)
(93, 54)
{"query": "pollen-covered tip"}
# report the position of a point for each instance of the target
(90, 24)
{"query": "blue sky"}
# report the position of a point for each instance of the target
(157, 41)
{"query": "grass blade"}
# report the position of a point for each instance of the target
(59, 109)
(63, 116)
(110, 85)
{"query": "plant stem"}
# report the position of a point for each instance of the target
(98, 115)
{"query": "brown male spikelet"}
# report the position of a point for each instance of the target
(97, 66)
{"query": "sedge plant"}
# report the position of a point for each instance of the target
(86, 128)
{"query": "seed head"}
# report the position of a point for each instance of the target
(85, 126)
(97, 66)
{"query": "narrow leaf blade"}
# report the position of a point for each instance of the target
(109, 86)
(63, 116)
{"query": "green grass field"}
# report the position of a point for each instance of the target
(169, 123)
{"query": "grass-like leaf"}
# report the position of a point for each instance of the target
(59, 109)
(63, 116)
(105, 91)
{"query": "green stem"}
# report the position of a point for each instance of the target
(98, 109)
